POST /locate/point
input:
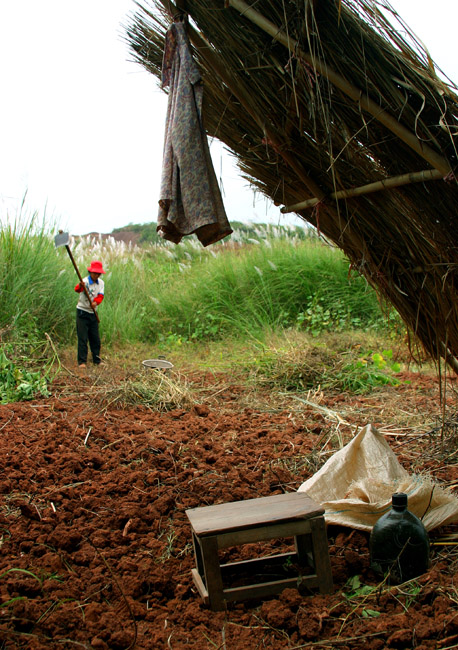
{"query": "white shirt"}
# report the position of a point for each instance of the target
(93, 289)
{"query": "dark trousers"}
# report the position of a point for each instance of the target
(87, 329)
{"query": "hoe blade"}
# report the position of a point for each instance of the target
(62, 239)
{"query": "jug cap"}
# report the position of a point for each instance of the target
(399, 499)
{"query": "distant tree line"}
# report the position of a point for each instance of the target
(148, 233)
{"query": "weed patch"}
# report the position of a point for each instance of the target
(19, 380)
(292, 369)
(369, 371)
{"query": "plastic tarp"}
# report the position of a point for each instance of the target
(355, 486)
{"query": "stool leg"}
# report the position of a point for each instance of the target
(212, 572)
(198, 555)
(321, 554)
(303, 548)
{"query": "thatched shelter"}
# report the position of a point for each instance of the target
(338, 116)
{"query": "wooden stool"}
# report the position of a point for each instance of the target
(230, 524)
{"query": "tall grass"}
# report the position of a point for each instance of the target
(242, 287)
(279, 283)
(33, 298)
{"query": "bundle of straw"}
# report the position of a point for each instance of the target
(333, 112)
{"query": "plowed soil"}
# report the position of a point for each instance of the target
(95, 545)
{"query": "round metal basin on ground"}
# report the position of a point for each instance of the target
(157, 363)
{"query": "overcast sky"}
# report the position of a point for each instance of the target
(81, 126)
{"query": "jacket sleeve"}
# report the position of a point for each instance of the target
(98, 299)
(79, 288)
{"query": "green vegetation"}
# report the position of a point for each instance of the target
(33, 294)
(26, 370)
(369, 371)
(184, 293)
(261, 281)
(18, 384)
(275, 284)
(305, 363)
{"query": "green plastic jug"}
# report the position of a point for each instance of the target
(399, 543)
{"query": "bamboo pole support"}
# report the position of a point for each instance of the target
(377, 186)
(404, 134)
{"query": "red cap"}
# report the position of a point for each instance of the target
(96, 267)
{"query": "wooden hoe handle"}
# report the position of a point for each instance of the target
(81, 281)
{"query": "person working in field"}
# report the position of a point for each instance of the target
(87, 325)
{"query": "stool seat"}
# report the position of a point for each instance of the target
(230, 524)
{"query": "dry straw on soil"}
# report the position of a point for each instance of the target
(317, 98)
(158, 391)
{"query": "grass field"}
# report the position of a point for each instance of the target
(259, 284)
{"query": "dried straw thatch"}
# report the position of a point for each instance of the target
(316, 97)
